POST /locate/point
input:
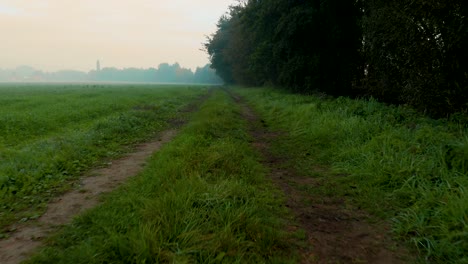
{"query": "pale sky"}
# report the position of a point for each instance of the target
(73, 34)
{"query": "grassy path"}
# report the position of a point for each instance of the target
(290, 184)
(26, 237)
(326, 230)
(402, 167)
(202, 199)
(52, 134)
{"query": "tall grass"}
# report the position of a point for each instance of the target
(50, 134)
(203, 198)
(402, 166)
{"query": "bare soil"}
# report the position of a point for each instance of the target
(28, 236)
(335, 233)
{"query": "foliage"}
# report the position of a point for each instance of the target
(218, 43)
(416, 53)
(203, 198)
(407, 168)
(302, 45)
(404, 52)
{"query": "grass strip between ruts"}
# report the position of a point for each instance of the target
(202, 199)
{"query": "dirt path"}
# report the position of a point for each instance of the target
(26, 237)
(334, 234)
(62, 209)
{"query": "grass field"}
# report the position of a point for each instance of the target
(51, 133)
(203, 198)
(403, 167)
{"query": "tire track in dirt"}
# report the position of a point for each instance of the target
(27, 237)
(334, 234)
(61, 210)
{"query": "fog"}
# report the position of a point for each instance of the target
(53, 35)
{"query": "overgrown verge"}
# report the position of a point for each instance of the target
(51, 135)
(391, 161)
(202, 199)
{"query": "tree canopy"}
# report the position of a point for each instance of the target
(406, 52)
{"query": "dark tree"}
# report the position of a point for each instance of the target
(406, 52)
(416, 53)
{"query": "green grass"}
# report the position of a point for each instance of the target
(392, 161)
(203, 198)
(50, 134)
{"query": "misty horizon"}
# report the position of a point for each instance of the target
(102, 66)
(163, 73)
(55, 35)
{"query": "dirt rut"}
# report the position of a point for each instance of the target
(61, 210)
(334, 233)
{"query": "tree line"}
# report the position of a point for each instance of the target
(412, 52)
(165, 73)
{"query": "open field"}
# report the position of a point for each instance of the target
(52, 133)
(301, 179)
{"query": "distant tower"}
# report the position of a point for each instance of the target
(98, 66)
